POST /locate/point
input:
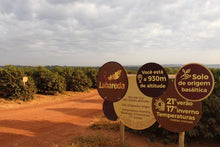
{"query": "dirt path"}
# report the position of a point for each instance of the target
(48, 124)
(53, 121)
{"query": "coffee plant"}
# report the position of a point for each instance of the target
(48, 82)
(76, 79)
(91, 74)
(12, 85)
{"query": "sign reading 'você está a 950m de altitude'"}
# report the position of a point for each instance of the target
(194, 82)
(112, 81)
(152, 79)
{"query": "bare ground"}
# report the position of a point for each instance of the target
(53, 121)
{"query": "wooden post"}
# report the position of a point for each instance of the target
(122, 134)
(181, 139)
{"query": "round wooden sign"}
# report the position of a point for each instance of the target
(152, 79)
(109, 111)
(134, 109)
(175, 113)
(112, 81)
(194, 82)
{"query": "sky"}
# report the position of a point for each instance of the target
(93, 32)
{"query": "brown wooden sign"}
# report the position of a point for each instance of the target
(109, 111)
(152, 79)
(175, 113)
(194, 82)
(112, 81)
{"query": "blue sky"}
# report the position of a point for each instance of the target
(93, 32)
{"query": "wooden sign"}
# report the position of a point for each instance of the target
(175, 113)
(25, 79)
(134, 109)
(152, 79)
(194, 82)
(112, 81)
(109, 110)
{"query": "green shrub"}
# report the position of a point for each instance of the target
(171, 70)
(12, 86)
(67, 74)
(57, 69)
(76, 79)
(91, 74)
(79, 81)
(48, 82)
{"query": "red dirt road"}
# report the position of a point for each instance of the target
(53, 121)
(49, 124)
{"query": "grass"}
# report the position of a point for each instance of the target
(105, 124)
(97, 140)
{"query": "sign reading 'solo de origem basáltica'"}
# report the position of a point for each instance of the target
(194, 82)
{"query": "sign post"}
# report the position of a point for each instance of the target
(181, 139)
(122, 134)
(194, 82)
(112, 85)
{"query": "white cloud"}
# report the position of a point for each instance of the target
(78, 31)
(215, 24)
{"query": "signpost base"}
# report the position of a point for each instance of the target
(122, 134)
(181, 139)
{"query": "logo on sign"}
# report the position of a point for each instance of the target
(111, 81)
(114, 76)
(186, 74)
(159, 105)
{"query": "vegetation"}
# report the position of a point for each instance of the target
(12, 85)
(50, 80)
(97, 140)
(104, 124)
(77, 79)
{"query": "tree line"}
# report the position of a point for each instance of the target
(44, 81)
